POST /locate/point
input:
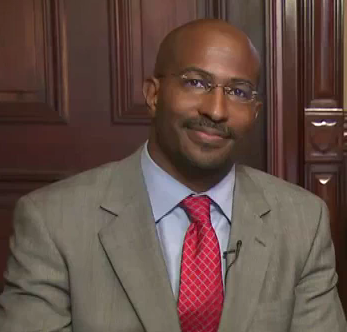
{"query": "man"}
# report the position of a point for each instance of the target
(177, 237)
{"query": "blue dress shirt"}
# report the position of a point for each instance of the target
(172, 222)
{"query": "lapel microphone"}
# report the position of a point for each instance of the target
(232, 251)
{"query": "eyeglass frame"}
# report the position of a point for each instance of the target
(211, 86)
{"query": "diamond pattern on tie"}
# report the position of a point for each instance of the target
(200, 299)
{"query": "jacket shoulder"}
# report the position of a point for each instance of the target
(279, 189)
(88, 184)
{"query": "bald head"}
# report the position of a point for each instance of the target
(200, 33)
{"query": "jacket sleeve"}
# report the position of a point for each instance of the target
(317, 304)
(36, 294)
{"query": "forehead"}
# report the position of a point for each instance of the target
(220, 54)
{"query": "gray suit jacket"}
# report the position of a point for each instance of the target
(85, 257)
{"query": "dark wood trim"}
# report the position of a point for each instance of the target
(324, 135)
(304, 71)
(274, 65)
(206, 9)
(285, 109)
(20, 175)
(15, 183)
(124, 111)
(51, 105)
(323, 54)
(59, 72)
(221, 9)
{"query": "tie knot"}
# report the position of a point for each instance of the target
(198, 208)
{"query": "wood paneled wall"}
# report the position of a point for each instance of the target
(306, 119)
(324, 116)
(70, 91)
(33, 79)
(284, 90)
(71, 77)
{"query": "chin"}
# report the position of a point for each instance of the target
(209, 161)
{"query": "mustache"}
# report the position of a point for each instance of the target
(202, 122)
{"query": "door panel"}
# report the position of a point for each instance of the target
(306, 118)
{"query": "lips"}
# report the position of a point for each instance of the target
(209, 136)
(210, 131)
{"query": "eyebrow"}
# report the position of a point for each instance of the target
(196, 70)
(211, 76)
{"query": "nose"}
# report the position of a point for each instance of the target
(215, 105)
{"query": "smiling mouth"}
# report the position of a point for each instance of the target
(210, 132)
(209, 136)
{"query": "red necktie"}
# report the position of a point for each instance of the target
(200, 299)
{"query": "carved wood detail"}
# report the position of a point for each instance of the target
(324, 135)
(324, 118)
(304, 69)
(325, 180)
(323, 55)
(42, 96)
(303, 37)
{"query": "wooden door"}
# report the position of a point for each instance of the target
(71, 77)
(307, 126)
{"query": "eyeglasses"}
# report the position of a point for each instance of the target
(236, 90)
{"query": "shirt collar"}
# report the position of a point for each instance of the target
(165, 192)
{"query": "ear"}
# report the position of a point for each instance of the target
(150, 91)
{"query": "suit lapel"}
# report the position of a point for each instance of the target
(131, 244)
(246, 275)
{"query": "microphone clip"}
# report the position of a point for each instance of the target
(232, 251)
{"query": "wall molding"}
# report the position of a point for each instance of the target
(15, 183)
(323, 53)
(50, 105)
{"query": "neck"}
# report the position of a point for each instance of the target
(193, 177)
(199, 180)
